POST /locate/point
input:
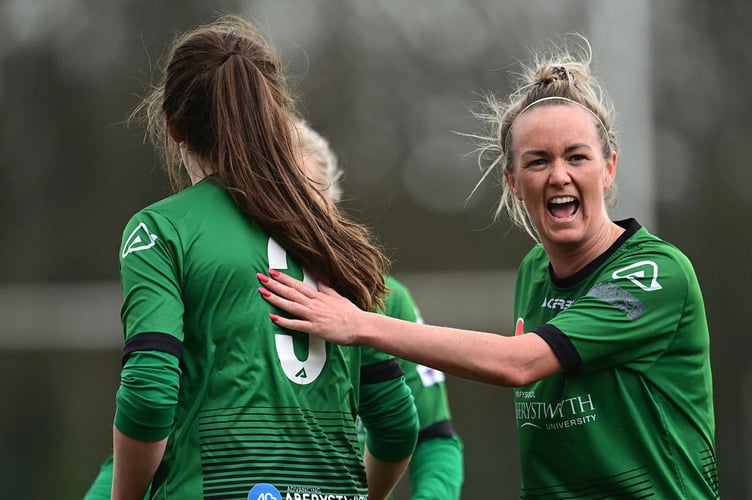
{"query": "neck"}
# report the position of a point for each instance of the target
(565, 261)
(195, 166)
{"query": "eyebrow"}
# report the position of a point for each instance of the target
(544, 152)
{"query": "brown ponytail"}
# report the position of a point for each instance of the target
(224, 91)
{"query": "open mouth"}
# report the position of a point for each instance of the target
(563, 207)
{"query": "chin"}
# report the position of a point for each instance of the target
(567, 236)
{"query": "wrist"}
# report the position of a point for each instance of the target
(362, 330)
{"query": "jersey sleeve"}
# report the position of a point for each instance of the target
(150, 272)
(388, 412)
(629, 317)
(152, 317)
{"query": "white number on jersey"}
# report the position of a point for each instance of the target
(306, 371)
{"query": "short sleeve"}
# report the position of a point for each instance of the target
(630, 316)
(150, 272)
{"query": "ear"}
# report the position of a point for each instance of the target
(512, 183)
(173, 131)
(609, 173)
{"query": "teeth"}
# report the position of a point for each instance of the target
(562, 199)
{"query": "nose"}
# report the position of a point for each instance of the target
(559, 173)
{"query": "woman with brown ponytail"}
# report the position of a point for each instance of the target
(215, 401)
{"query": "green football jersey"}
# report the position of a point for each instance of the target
(632, 414)
(262, 412)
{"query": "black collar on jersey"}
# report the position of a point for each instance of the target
(631, 226)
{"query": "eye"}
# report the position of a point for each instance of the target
(535, 162)
(578, 158)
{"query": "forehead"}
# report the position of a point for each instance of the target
(547, 125)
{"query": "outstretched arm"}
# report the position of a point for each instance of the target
(483, 357)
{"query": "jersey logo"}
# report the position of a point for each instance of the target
(264, 491)
(555, 303)
(140, 239)
(305, 371)
(519, 327)
(643, 274)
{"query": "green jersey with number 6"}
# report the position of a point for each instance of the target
(631, 416)
(259, 409)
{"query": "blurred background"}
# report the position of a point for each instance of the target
(392, 84)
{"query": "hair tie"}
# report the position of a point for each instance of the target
(227, 56)
(563, 74)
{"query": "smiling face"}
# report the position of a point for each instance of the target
(560, 174)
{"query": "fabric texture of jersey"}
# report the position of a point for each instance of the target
(257, 406)
(632, 414)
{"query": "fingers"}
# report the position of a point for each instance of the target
(280, 303)
(285, 285)
(292, 324)
(286, 293)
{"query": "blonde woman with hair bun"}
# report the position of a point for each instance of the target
(609, 354)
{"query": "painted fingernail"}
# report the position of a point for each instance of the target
(262, 278)
(263, 291)
(274, 317)
(274, 273)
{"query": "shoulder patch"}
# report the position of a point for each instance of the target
(140, 239)
(643, 274)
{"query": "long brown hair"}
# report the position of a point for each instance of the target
(225, 93)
